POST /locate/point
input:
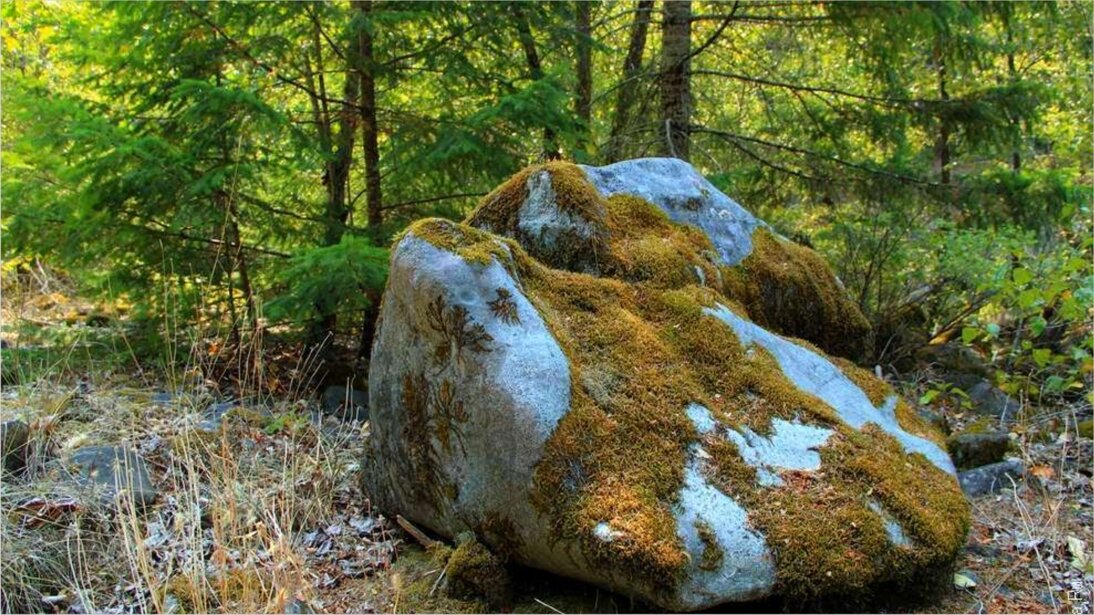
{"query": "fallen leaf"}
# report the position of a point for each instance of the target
(961, 581)
(1042, 472)
(1079, 559)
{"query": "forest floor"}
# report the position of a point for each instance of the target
(259, 506)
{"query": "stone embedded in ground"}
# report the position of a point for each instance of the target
(346, 404)
(14, 435)
(934, 418)
(615, 418)
(988, 400)
(955, 363)
(111, 471)
(973, 449)
(992, 478)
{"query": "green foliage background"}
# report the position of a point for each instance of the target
(939, 153)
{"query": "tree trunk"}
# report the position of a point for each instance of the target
(370, 142)
(675, 78)
(583, 102)
(628, 89)
(370, 133)
(535, 70)
(339, 148)
(1012, 74)
(942, 142)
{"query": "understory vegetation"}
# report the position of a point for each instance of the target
(199, 201)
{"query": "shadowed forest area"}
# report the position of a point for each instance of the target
(201, 202)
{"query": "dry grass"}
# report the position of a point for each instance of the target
(258, 514)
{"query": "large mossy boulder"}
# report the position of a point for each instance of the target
(595, 401)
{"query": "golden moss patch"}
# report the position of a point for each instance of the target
(713, 555)
(645, 246)
(576, 196)
(471, 244)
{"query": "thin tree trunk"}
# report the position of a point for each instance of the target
(370, 142)
(370, 134)
(675, 78)
(339, 149)
(628, 89)
(583, 102)
(535, 70)
(1012, 74)
(942, 142)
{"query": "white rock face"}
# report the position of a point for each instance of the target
(818, 376)
(542, 222)
(791, 446)
(686, 196)
(747, 568)
(511, 394)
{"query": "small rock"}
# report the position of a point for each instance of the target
(163, 398)
(1085, 428)
(213, 416)
(957, 364)
(14, 435)
(988, 400)
(114, 469)
(970, 575)
(986, 551)
(298, 607)
(975, 449)
(991, 478)
(345, 403)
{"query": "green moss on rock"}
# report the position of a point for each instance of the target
(471, 244)
(476, 573)
(713, 555)
(579, 245)
(790, 289)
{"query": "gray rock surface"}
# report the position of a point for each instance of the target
(111, 471)
(443, 452)
(14, 435)
(345, 403)
(686, 196)
(988, 400)
(992, 478)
